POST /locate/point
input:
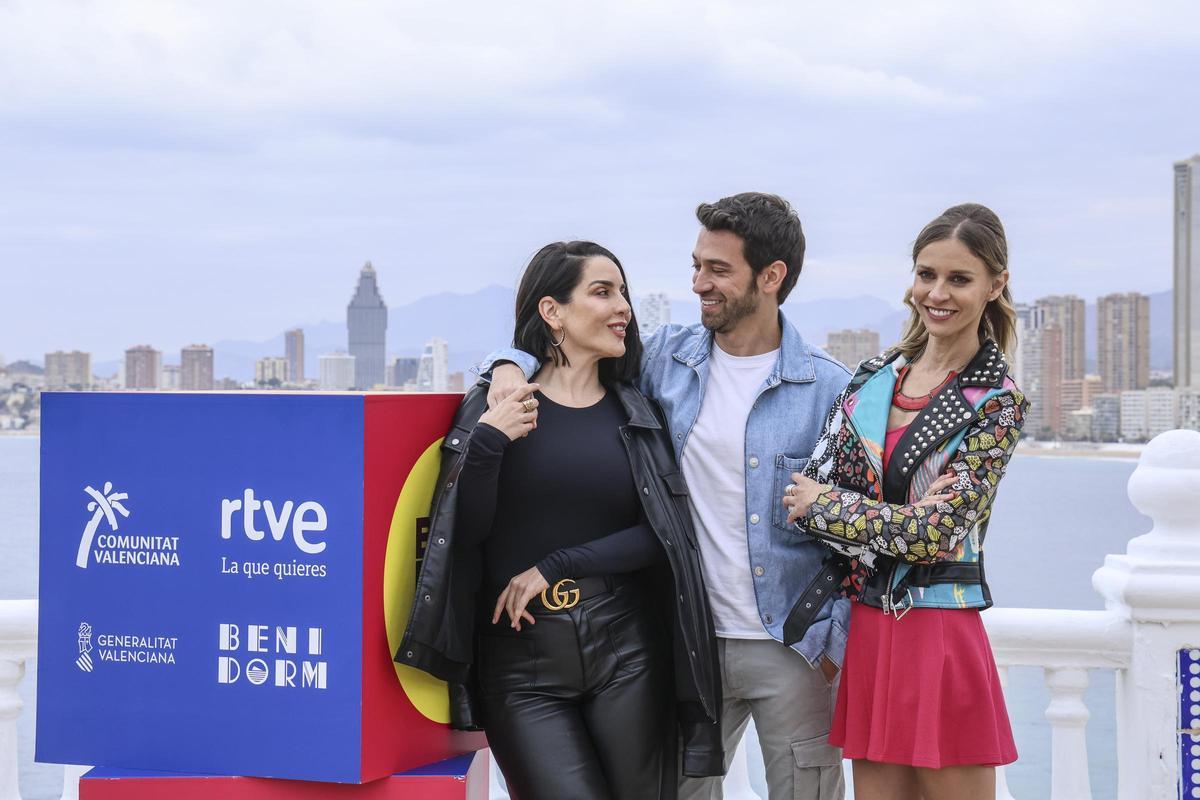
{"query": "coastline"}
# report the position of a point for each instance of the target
(1114, 450)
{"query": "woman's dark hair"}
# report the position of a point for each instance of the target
(980, 230)
(555, 271)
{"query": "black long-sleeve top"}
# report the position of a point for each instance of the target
(561, 499)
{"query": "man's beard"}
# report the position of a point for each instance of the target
(734, 311)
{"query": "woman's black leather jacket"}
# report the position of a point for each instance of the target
(440, 635)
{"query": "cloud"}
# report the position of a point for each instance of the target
(313, 65)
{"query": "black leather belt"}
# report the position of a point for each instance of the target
(818, 592)
(569, 592)
(836, 568)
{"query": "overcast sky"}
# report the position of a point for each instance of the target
(178, 172)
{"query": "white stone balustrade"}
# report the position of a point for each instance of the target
(18, 643)
(1152, 612)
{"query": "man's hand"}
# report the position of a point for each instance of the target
(516, 596)
(506, 379)
(829, 669)
(516, 415)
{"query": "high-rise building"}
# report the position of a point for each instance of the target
(457, 382)
(271, 372)
(1029, 318)
(1067, 312)
(293, 351)
(1187, 272)
(1077, 394)
(851, 347)
(1106, 417)
(1188, 402)
(196, 368)
(71, 370)
(654, 311)
(1042, 373)
(1146, 413)
(170, 379)
(142, 367)
(433, 371)
(403, 371)
(1079, 424)
(366, 322)
(1123, 341)
(337, 371)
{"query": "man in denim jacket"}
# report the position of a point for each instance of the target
(746, 396)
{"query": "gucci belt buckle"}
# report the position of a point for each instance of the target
(560, 598)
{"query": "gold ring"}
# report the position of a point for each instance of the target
(529, 404)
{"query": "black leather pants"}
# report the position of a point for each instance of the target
(577, 706)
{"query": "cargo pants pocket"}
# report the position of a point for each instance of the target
(818, 770)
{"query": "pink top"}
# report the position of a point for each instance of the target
(889, 443)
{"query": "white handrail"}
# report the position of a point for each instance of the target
(18, 643)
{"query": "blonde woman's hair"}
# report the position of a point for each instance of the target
(979, 229)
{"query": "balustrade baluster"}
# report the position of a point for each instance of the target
(1068, 716)
(18, 642)
(11, 673)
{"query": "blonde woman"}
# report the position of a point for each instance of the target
(902, 482)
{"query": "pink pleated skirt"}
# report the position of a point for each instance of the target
(921, 691)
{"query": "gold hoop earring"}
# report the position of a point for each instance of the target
(560, 341)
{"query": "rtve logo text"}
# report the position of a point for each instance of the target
(306, 518)
(269, 654)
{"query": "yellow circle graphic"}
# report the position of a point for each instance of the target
(409, 524)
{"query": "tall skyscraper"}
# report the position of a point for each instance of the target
(853, 346)
(142, 366)
(293, 351)
(68, 370)
(196, 368)
(1187, 272)
(434, 370)
(1123, 341)
(654, 311)
(1042, 373)
(1029, 319)
(1067, 312)
(337, 371)
(366, 321)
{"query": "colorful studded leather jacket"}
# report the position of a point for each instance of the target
(923, 556)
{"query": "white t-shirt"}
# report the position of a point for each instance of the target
(714, 464)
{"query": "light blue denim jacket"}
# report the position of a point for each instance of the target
(781, 432)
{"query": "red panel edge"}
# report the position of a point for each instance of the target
(397, 430)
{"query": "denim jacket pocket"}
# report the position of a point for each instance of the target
(784, 467)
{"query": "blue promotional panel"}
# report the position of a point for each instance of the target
(1189, 723)
(201, 583)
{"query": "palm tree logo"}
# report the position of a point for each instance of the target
(102, 507)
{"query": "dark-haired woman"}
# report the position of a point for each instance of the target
(905, 476)
(561, 592)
